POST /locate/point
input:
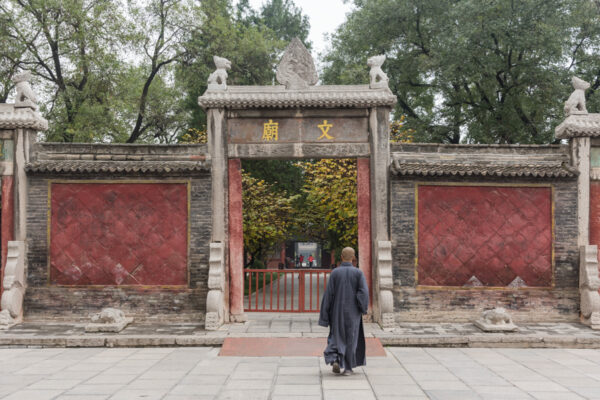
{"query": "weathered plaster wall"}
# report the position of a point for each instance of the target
(559, 303)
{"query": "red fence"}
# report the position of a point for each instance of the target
(284, 290)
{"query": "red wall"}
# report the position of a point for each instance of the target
(8, 221)
(118, 233)
(595, 213)
(493, 233)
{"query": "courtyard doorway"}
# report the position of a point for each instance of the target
(295, 218)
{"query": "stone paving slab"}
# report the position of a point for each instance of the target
(199, 373)
(281, 325)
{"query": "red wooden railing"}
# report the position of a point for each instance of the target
(284, 290)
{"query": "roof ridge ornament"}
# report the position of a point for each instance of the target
(297, 67)
(218, 79)
(26, 97)
(576, 102)
(379, 80)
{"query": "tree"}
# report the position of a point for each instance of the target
(104, 76)
(252, 41)
(330, 210)
(267, 217)
(491, 72)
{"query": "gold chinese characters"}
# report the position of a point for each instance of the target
(325, 127)
(270, 131)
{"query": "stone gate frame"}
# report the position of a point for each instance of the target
(297, 120)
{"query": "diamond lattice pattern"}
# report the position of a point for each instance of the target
(495, 234)
(118, 234)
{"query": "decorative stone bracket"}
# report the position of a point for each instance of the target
(589, 283)
(386, 284)
(14, 285)
(215, 311)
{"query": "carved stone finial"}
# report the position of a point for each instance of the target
(297, 68)
(26, 98)
(379, 79)
(218, 79)
(576, 102)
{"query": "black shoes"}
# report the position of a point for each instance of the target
(336, 367)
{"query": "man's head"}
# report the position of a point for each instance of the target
(348, 254)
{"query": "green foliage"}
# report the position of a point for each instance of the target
(283, 175)
(494, 71)
(330, 208)
(130, 71)
(267, 216)
(252, 41)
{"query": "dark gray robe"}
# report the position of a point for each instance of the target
(345, 300)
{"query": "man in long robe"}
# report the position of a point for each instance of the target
(345, 300)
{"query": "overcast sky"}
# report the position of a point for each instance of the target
(324, 15)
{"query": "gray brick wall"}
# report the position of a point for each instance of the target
(44, 300)
(448, 304)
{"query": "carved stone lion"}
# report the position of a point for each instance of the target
(497, 316)
(576, 102)
(26, 98)
(218, 79)
(108, 316)
(378, 78)
(496, 320)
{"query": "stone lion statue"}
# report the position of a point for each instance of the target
(497, 316)
(108, 316)
(218, 79)
(378, 78)
(25, 95)
(576, 102)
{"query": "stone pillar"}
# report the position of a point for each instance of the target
(217, 148)
(580, 151)
(19, 124)
(215, 302)
(380, 161)
(589, 284)
(236, 243)
(363, 191)
(14, 285)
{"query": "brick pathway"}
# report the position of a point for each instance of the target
(199, 373)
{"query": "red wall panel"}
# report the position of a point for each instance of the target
(118, 233)
(595, 213)
(492, 233)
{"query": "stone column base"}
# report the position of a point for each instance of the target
(238, 318)
(388, 321)
(593, 321)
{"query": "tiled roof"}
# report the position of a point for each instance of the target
(110, 167)
(327, 96)
(577, 125)
(21, 118)
(446, 168)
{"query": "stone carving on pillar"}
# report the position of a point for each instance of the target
(218, 79)
(25, 98)
(386, 284)
(589, 284)
(216, 286)
(576, 102)
(379, 80)
(297, 68)
(14, 285)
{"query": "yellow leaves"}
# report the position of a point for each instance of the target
(194, 135)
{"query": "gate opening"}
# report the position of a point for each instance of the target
(297, 216)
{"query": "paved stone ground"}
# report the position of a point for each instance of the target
(198, 373)
(56, 334)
